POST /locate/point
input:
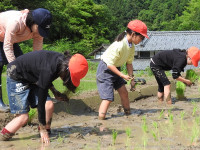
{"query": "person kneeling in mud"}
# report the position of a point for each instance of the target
(174, 60)
(28, 79)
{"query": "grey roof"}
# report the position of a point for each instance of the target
(142, 64)
(168, 40)
(102, 47)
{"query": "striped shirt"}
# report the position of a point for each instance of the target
(119, 53)
(13, 29)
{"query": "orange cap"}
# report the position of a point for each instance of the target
(138, 26)
(194, 54)
(78, 67)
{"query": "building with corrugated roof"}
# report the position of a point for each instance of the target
(158, 41)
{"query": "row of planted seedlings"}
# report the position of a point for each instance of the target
(168, 128)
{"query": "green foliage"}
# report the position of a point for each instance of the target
(6, 5)
(149, 71)
(180, 89)
(82, 25)
(191, 75)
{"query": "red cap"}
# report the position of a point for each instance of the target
(78, 68)
(138, 26)
(194, 54)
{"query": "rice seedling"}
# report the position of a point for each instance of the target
(99, 145)
(171, 118)
(194, 108)
(145, 140)
(182, 115)
(144, 124)
(60, 139)
(161, 114)
(191, 75)
(114, 136)
(155, 132)
(195, 133)
(31, 115)
(128, 133)
(180, 89)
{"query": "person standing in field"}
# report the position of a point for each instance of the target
(18, 26)
(174, 60)
(29, 78)
(109, 76)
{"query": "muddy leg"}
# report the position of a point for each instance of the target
(103, 109)
(160, 96)
(167, 94)
(123, 93)
(49, 108)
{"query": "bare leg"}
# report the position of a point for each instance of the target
(17, 123)
(167, 94)
(123, 93)
(160, 96)
(103, 109)
(49, 108)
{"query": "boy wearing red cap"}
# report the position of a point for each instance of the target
(174, 60)
(28, 79)
(18, 26)
(109, 76)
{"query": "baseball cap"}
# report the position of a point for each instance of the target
(138, 26)
(43, 18)
(78, 67)
(194, 54)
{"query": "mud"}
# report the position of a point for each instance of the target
(151, 125)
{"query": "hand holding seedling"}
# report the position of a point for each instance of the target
(126, 77)
(61, 97)
(188, 82)
(133, 84)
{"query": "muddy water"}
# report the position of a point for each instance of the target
(152, 125)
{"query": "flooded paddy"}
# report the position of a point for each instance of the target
(151, 125)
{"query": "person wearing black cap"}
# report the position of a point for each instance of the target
(18, 26)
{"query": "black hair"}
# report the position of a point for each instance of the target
(65, 73)
(29, 20)
(122, 35)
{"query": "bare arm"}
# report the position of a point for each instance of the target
(59, 96)
(186, 81)
(117, 72)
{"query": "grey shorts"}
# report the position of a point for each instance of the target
(107, 81)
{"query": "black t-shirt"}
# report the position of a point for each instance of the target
(174, 60)
(40, 68)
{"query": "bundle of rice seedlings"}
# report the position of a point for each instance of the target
(191, 75)
(31, 115)
(180, 89)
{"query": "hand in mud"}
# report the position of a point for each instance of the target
(61, 97)
(132, 85)
(44, 137)
(188, 83)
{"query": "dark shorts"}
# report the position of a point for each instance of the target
(107, 81)
(160, 76)
(22, 96)
(17, 52)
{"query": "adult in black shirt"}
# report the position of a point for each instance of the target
(174, 60)
(28, 79)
